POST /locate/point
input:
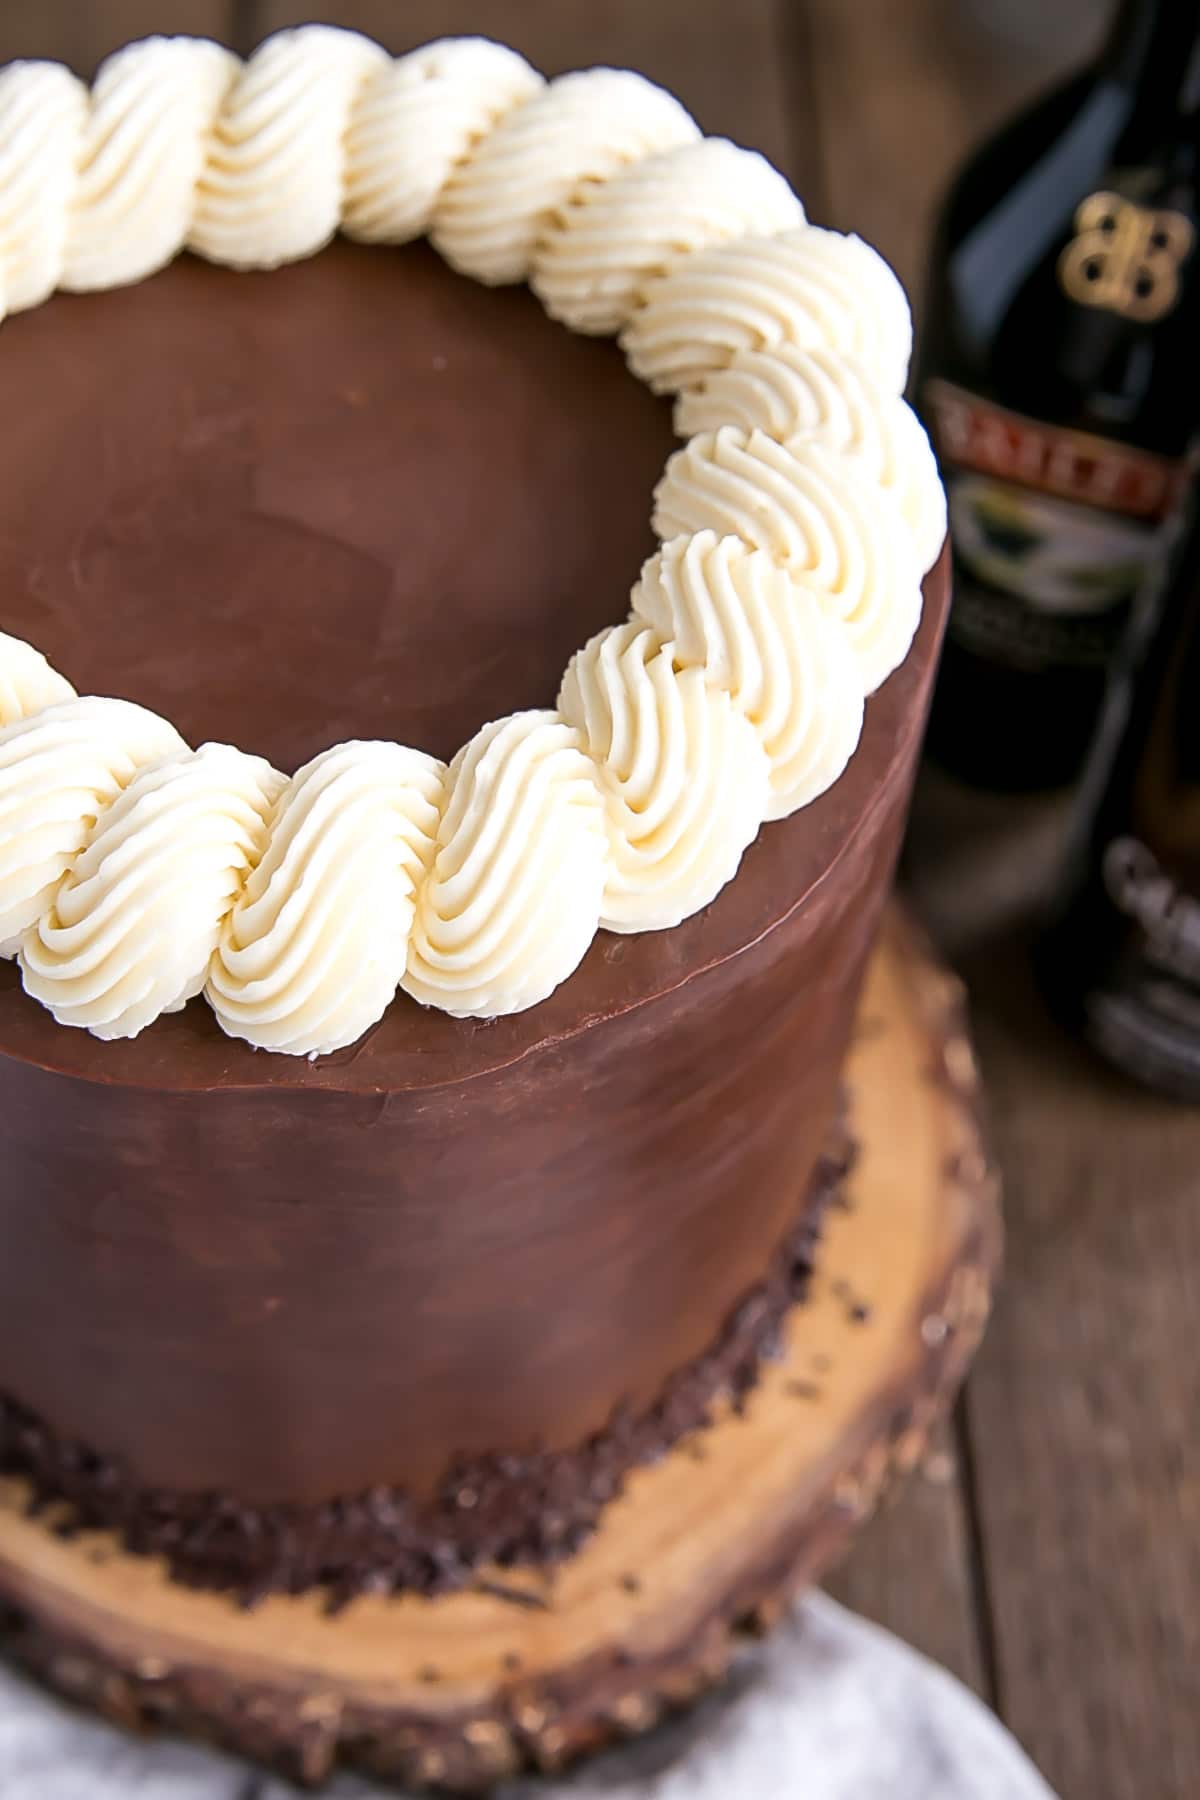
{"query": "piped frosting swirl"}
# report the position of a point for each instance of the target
(135, 920)
(43, 116)
(513, 897)
(821, 397)
(28, 684)
(818, 517)
(683, 773)
(415, 121)
(761, 637)
(809, 287)
(576, 133)
(276, 177)
(147, 160)
(607, 239)
(60, 770)
(313, 950)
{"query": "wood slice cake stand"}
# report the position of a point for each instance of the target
(703, 1548)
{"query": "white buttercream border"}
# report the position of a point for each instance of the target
(136, 872)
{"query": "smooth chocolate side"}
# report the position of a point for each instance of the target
(497, 1511)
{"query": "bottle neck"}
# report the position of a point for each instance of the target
(1153, 50)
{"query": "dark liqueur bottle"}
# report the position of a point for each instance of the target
(1059, 381)
(1121, 961)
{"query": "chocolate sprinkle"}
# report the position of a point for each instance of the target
(538, 1508)
(512, 1596)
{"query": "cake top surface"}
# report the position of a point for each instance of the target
(356, 524)
(357, 497)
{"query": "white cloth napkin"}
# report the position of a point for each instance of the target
(829, 1708)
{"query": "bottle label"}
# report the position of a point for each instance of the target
(1126, 258)
(1054, 531)
(1146, 1015)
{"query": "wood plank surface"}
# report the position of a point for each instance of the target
(1083, 1411)
(81, 33)
(1082, 1408)
(909, 1568)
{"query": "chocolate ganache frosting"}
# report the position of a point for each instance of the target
(362, 496)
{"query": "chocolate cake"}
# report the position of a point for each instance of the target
(377, 1313)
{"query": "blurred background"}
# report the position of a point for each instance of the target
(1049, 1550)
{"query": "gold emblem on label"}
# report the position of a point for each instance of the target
(1126, 258)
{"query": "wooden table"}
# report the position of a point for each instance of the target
(1050, 1550)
